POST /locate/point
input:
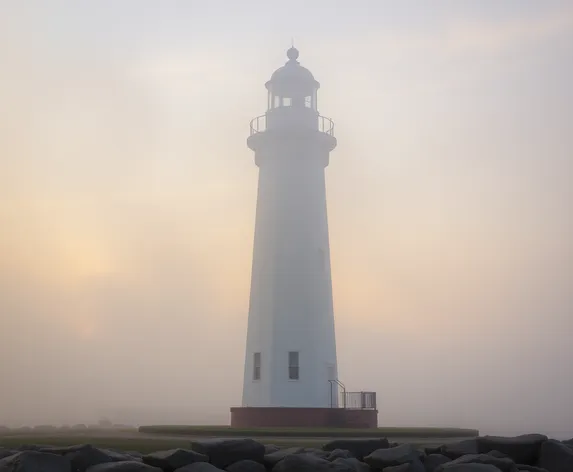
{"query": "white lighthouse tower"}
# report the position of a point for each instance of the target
(291, 348)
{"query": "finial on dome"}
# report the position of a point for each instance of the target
(292, 53)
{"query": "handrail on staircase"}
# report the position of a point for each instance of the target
(341, 385)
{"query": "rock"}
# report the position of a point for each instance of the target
(117, 456)
(315, 452)
(199, 467)
(270, 448)
(246, 466)
(568, 442)
(415, 466)
(270, 460)
(529, 468)
(555, 456)
(224, 452)
(113, 456)
(499, 455)
(433, 461)
(173, 459)
(34, 447)
(303, 463)
(433, 450)
(123, 466)
(460, 448)
(522, 449)
(350, 464)
(473, 467)
(504, 464)
(59, 450)
(338, 454)
(6, 452)
(382, 458)
(359, 448)
(34, 461)
(84, 456)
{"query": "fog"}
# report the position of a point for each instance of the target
(127, 205)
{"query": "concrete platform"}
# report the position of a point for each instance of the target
(271, 417)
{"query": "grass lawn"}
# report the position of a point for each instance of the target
(390, 432)
(157, 438)
(150, 444)
(140, 444)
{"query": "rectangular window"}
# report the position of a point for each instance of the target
(257, 366)
(287, 101)
(293, 367)
(308, 102)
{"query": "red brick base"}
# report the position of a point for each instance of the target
(249, 417)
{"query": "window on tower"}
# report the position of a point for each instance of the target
(308, 102)
(287, 101)
(257, 366)
(293, 367)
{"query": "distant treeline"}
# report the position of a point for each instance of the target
(48, 428)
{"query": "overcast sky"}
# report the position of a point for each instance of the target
(127, 204)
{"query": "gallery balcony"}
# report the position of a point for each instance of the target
(322, 124)
(279, 125)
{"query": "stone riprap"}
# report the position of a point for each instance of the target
(527, 453)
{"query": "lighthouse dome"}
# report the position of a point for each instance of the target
(292, 74)
(292, 70)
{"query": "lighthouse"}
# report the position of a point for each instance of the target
(290, 373)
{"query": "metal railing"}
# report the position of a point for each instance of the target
(338, 383)
(351, 400)
(259, 125)
(358, 400)
(325, 125)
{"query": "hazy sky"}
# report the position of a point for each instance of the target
(127, 200)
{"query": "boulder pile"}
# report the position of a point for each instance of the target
(527, 453)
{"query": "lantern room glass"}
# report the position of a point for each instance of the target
(279, 101)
